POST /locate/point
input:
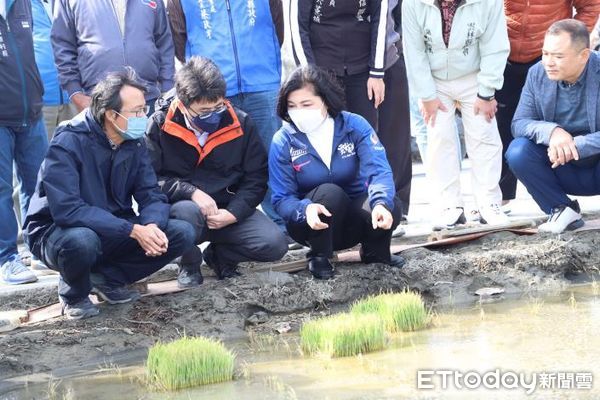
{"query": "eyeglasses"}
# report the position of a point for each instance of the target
(140, 112)
(205, 114)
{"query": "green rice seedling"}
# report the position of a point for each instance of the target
(403, 311)
(343, 335)
(189, 362)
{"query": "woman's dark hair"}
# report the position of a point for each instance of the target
(107, 93)
(323, 85)
(199, 79)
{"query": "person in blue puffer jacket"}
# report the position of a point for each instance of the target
(330, 178)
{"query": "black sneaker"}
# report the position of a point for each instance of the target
(189, 277)
(320, 267)
(221, 271)
(115, 295)
(79, 310)
(395, 261)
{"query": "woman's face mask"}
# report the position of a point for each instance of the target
(306, 110)
(307, 120)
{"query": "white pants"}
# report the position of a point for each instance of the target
(483, 144)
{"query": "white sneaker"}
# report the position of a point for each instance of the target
(562, 219)
(493, 215)
(449, 218)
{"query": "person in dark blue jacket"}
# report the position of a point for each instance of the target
(81, 222)
(331, 181)
(23, 140)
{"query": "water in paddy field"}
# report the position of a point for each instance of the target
(552, 342)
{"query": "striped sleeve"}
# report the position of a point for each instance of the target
(379, 20)
(300, 12)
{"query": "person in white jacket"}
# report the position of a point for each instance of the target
(456, 51)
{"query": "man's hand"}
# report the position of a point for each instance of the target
(485, 107)
(429, 110)
(205, 202)
(81, 101)
(151, 239)
(220, 220)
(561, 148)
(381, 218)
(312, 216)
(376, 89)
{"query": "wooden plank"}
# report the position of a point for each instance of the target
(447, 233)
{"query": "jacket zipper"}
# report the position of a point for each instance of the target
(21, 72)
(122, 31)
(235, 52)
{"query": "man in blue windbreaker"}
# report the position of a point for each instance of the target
(23, 138)
(81, 222)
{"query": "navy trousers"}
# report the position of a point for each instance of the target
(76, 252)
(550, 187)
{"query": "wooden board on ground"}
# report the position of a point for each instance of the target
(592, 225)
(448, 233)
(52, 311)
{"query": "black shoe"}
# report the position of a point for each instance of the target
(79, 310)
(115, 295)
(395, 261)
(320, 267)
(189, 277)
(292, 244)
(222, 272)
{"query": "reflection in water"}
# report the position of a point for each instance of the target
(556, 335)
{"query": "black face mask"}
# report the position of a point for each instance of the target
(210, 123)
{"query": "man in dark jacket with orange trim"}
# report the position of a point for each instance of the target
(212, 165)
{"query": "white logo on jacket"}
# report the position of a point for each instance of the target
(297, 153)
(346, 149)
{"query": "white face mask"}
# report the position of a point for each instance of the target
(307, 120)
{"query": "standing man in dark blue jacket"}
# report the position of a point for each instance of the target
(243, 38)
(22, 134)
(92, 38)
(81, 222)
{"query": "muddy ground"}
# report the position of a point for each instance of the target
(269, 302)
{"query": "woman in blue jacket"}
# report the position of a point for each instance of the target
(330, 178)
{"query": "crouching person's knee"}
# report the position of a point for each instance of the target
(79, 246)
(519, 154)
(187, 210)
(181, 235)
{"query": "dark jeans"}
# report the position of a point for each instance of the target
(549, 187)
(22, 148)
(256, 238)
(349, 224)
(515, 75)
(75, 252)
(391, 121)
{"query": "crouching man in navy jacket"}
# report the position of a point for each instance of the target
(80, 220)
(331, 181)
